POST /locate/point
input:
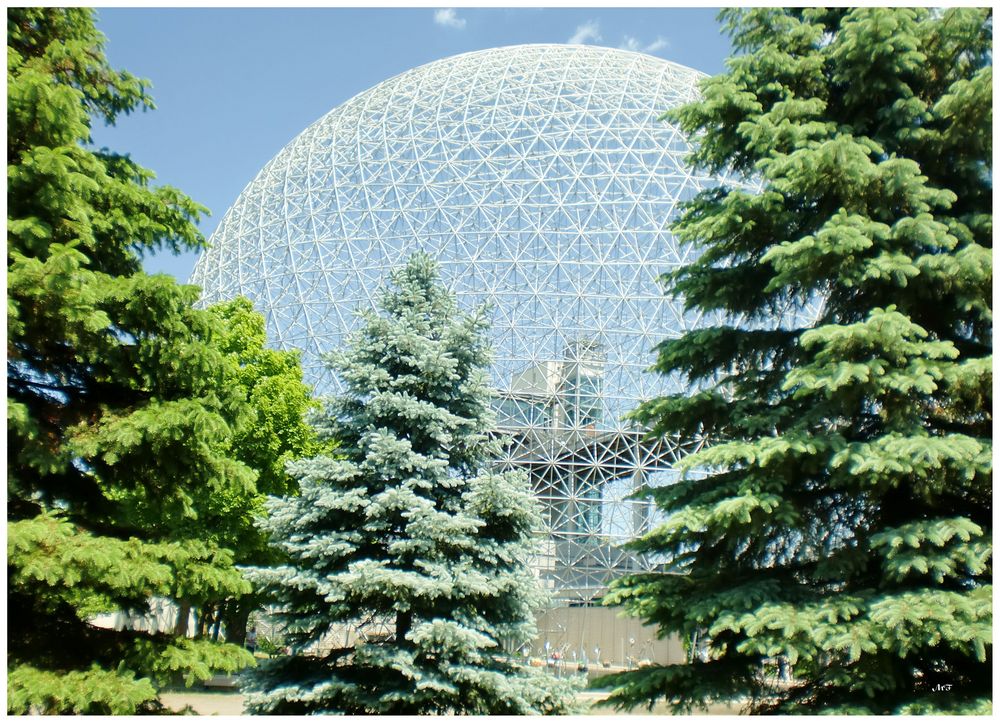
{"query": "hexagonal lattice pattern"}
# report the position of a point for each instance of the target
(543, 181)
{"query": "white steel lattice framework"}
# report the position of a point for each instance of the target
(542, 179)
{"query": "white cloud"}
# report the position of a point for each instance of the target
(631, 43)
(449, 18)
(590, 30)
(658, 44)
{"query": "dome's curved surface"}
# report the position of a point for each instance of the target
(542, 179)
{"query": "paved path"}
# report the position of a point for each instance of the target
(204, 703)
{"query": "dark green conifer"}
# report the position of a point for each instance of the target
(839, 516)
(119, 421)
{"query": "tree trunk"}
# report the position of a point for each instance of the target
(217, 620)
(236, 616)
(404, 621)
(183, 616)
(204, 619)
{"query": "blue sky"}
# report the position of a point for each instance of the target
(234, 85)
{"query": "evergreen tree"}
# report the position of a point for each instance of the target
(838, 518)
(119, 420)
(406, 526)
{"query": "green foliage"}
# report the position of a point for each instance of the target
(839, 514)
(119, 417)
(91, 574)
(409, 528)
(270, 646)
(192, 660)
(270, 382)
(93, 691)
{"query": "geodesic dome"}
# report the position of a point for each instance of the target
(543, 181)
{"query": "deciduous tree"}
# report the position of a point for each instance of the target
(270, 381)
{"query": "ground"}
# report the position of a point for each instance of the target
(203, 703)
(231, 703)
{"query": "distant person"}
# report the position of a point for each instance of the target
(251, 640)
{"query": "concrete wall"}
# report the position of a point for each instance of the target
(575, 633)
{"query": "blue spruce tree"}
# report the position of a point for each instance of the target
(407, 526)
